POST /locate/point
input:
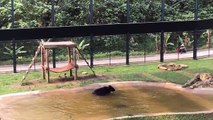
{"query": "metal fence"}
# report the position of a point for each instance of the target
(108, 34)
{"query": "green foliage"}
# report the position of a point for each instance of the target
(28, 13)
(82, 45)
(180, 40)
(168, 44)
(177, 10)
(145, 10)
(34, 13)
(72, 12)
(18, 51)
(112, 11)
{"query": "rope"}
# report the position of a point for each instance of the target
(86, 61)
(31, 64)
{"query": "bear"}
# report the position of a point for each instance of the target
(103, 90)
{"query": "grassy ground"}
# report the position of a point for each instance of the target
(10, 82)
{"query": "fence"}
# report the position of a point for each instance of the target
(128, 28)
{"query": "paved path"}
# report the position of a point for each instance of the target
(149, 58)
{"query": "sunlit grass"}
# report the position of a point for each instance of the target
(135, 72)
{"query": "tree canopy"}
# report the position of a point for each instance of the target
(36, 13)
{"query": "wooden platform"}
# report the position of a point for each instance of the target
(72, 60)
(58, 44)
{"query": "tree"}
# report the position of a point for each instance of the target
(145, 11)
(72, 12)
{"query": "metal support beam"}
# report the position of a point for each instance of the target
(127, 35)
(53, 12)
(53, 24)
(91, 5)
(127, 48)
(162, 46)
(91, 51)
(195, 31)
(195, 45)
(144, 49)
(196, 10)
(104, 29)
(13, 39)
(162, 32)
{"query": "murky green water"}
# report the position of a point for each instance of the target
(85, 106)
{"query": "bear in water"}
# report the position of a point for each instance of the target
(103, 90)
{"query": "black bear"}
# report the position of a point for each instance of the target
(103, 90)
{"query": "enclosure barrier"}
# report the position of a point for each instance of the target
(104, 29)
(107, 29)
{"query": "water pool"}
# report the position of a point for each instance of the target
(79, 104)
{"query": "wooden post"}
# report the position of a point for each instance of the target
(72, 60)
(32, 63)
(42, 61)
(69, 59)
(47, 64)
(75, 63)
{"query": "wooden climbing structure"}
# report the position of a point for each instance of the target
(44, 48)
(72, 61)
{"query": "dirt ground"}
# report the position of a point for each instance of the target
(58, 81)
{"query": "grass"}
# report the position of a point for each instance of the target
(9, 82)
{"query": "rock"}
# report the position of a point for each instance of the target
(183, 66)
(200, 80)
(205, 76)
(84, 73)
(162, 68)
(172, 66)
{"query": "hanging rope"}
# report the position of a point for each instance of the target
(86, 61)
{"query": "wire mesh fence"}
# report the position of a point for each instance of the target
(109, 47)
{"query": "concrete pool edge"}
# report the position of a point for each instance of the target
(117, 84)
